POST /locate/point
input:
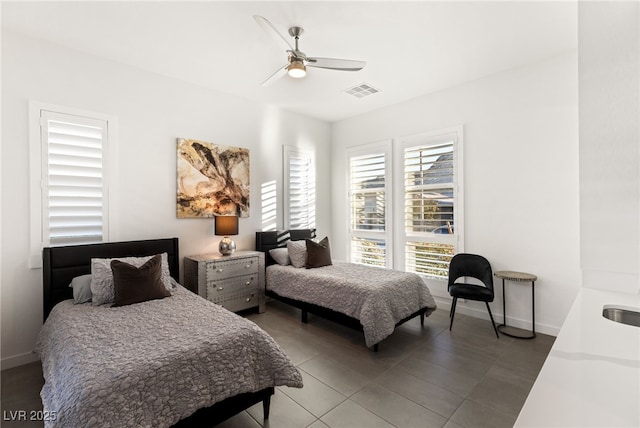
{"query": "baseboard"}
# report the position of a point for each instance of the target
(18, 360)
(461, 308)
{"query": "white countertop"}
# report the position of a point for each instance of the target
(591, 377)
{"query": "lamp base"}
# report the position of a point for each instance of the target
(227, 246)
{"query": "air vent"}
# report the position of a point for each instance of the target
(362, 90)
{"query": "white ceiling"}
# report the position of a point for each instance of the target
(411, 48)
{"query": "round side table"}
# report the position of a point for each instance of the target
(507, 275)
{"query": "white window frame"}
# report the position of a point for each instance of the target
(384, 147)
(38, 167)
(402, 237)
(288, 153)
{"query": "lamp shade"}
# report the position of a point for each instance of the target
(226, 225)
(297, 69)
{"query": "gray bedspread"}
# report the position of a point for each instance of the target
(153, 363)
(379, 298)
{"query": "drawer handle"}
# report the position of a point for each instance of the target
(220, 288)
(219, 270)
(248, 266)
(248, 282)
(248, 299)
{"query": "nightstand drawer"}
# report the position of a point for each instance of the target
(237, 302)
(231, 268)
(232, 285)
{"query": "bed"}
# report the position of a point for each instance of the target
(369, 299)
(177, 361)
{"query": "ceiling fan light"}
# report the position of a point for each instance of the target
(297, 69)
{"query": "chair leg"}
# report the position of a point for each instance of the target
(453, 311)
(492, 322)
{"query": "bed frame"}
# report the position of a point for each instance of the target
(62, 264)
(266, 241)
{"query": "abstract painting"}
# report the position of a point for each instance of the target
(212, 180)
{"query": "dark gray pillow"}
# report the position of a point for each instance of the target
(318, 253)
(138, 284)
(81, 288)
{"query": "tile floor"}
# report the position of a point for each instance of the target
(421, 377)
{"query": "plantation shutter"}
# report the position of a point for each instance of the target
(73, 179)
(301, 190)
(429, 197)
(367, 202)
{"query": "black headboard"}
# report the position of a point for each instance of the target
(266, 241)
(62, 264)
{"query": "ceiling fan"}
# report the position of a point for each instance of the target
(298, 61)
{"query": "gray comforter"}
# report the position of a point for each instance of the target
(379, 298)
(153, 363)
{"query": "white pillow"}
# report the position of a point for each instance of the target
(297, 251)
(102, 278)
(281, 256)
(81, 288)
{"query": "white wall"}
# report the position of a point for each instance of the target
(521, 179)
(609, 47)
(152, 111)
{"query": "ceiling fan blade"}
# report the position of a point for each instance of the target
(271, 30)
(275, 76)
(335, 63)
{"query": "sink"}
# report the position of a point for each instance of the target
(622, 315)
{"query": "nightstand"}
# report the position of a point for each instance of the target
(235, 282)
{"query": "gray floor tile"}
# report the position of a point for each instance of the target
(428, 395)
(473, 415)
(453, 381)
(526, 361)
(285, 413)
(241, 420)
(318, 424)
(451, 424)
(460, 339)
(467, 359)
(316, 397)
(21, 392)
(398, 410)
(352, 415)
(502, 390)
(299, 350)
(338, 376)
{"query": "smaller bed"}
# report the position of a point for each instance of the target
(176, 361)
(369, 299)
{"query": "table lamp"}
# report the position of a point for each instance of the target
(226, 225)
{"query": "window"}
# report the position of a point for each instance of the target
(427, 206)
(368, 195)
(431, 214)
(300, 189)
(68, 170)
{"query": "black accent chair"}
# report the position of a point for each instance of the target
(473, 266)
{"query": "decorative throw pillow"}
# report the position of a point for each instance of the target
(81, 288)
(132, 284)
(102, 278)
(318, 253)
(297, 251)
(281, 256)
